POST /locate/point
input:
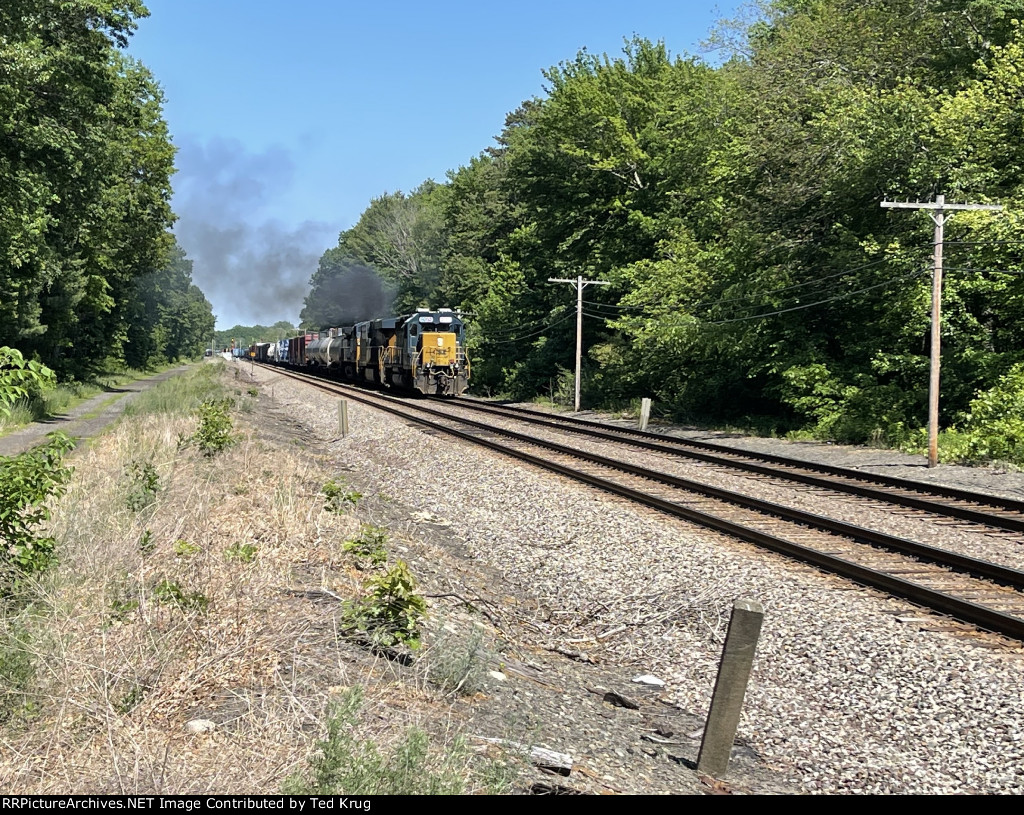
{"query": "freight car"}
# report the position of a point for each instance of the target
(423, 351)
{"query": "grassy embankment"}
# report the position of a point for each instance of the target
(208, 581)
(67, 395)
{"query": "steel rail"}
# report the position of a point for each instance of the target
(741, 459)
(964, 610)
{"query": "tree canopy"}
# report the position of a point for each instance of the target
(735, 210)
(85, 167)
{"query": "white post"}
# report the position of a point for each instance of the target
(645, 412)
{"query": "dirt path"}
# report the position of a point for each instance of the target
(85, 420)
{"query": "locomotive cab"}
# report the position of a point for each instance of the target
(437, 362)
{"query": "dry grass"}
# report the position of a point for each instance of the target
(220, 615)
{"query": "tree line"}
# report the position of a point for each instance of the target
(89, 272)
(735, 209)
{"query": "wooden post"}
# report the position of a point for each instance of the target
(645, 412)
(343, 417)
(730, 688)
(938, 215)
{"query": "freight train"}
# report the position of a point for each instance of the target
(423, 351)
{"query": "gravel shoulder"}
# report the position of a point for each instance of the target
(86, 419)
(852, 692)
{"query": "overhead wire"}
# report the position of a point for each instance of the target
(762, 315)
(753, 295)
(530, 336)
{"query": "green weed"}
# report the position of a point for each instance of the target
(345, 765)
(338, 497)
(391, 611)
(458, 662)
(368, 545)
(215, 425)
(242, 552)
(143, 485)
(170, 593)
(146, 543)
(183, 548)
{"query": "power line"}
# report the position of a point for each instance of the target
(753, 295)
(529, 336)
(696, 320)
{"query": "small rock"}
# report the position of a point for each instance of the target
(649, 679)
(497, 675)
(200, 726)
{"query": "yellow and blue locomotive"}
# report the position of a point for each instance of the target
(422, 351)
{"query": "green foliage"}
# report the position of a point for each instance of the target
(85, 208)
(993, 429)
(368, 545)
(180, 394)
(755, 280)
(346, 765)
(170, 593)
(21, 379)
(185, 549)
(143, 484)
(27, 482)
(146, 544)
(339, 499)
(391, 610)
(244, 335)
(169, 318)
(214, 432)
(121, 608)
(242, 552)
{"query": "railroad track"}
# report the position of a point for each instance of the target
(976, 591)
(951, 502)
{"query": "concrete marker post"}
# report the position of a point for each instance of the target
(730, 688)
(645, 412)
(343, 417)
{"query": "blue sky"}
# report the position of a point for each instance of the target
(290, 118)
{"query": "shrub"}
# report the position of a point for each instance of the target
(21, 379)
(390, 613)
(214, 431)
(27, 482)
(143, 484)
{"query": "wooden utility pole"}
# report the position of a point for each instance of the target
(580, 285)
(938, 214)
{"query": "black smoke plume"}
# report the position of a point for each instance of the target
(348, 295)
(254, 269)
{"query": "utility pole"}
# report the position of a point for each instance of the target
(580, 285)
(938, 214)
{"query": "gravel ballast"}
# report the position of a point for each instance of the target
(852, 691)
